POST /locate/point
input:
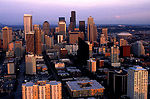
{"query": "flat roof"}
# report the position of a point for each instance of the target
(83, 85)
(137, 68)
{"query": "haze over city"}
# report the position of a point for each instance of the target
(103, 11)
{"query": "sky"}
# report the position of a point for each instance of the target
(103, 11)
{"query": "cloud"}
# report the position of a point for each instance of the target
(117, 17)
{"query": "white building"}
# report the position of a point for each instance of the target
(137, 83)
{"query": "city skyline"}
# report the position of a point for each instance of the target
(103, 12)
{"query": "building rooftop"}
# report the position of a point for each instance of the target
(137, 68)
(124, 34)
(84, 85)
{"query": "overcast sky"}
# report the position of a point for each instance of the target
(103, 11)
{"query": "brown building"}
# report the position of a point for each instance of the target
(91, 30)
(73, 37)
(46, 28)
(38, 42)
(30, 42)
(27, 23)
(125, 51)
(7, 37)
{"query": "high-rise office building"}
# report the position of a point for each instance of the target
(82, 27)
(137, 83)
(115, 56)
(30, 60)
(91, 64)
(62, 28)
(49, 41)
(91, 30)
(104, 31)
(138, 49)
(18, 49)
(42, 90)
(7, 37)
(46, 27)
(72, 21)
(27, 24)
(30, 42)
(73, 37)
(62, 19)
(38, 41)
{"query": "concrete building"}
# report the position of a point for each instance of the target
(7, 37)
(42, 90)
(91, 30)
(85, 88)
(27, 24)
(30, 60)
(91, 64)
(137, 83)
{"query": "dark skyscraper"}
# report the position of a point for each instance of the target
(82, 27)
(72, 21)
(46, 28)
(62, 19)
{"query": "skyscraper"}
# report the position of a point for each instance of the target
(91, 30)
(49, 41)
(82, 27)
(137, 83)
(72, 21)
(30, 64)
(62, 28)
(115, 56)
(38, 42)
(138, 48)
(7, 37)
(27, 23)
(18, 49)
(62, 19)
(30, 42)
(46, 27)
(104, 31)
